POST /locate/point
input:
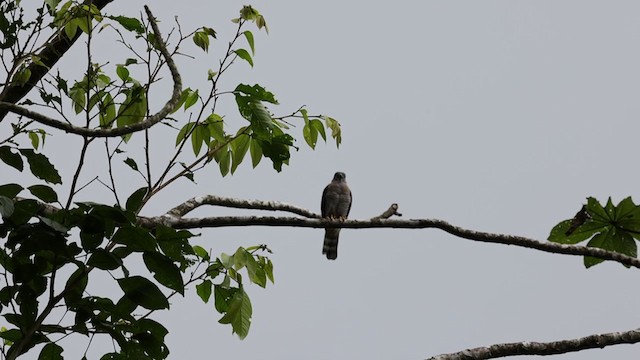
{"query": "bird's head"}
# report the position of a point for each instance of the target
(339, 176)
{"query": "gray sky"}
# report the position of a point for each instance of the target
(498, 116)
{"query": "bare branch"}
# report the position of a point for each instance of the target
(145, 124)
(191, 204)
(549, 348)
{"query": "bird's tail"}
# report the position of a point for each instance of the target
(330, 246)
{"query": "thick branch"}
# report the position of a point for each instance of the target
(549, 348)
(49, 55)
(211, 222)
(147, 123)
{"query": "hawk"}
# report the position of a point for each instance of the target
(336, 203)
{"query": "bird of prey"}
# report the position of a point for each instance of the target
(336, 203)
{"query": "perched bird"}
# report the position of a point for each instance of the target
(336, 203)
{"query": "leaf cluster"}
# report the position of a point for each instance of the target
(609, 227)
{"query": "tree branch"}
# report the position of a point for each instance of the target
(549, 348)
(193, 203)
(145, 124)
(177, 222)
(49, 55)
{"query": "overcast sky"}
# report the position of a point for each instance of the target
(498, 116)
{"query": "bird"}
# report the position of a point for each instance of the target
(336, 204)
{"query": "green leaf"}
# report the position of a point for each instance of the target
(6, 207)
(132, 163)
(256, 92)
(10, 190)
(611, 240)
(317, 124)
(79, 97)
(104, 260)
(201, 39)
(249, 36)
(204, 290)
(256, 152)
(238, 314)
(133, 109)
(41, 167)
(35, 140)
(164, 271)
(136, 239)
(130, 24)
(268, 269)
(76, 284)
(122, 72)
(310, 135)
(201, 252)
(143, 292)
(583, 232)
(244, 55)
(107, 111)
(10, 158)
(199, 136)
(224, 160)
(191, 98)
(215, 123)
(186, 129)
(239, 148)
(44, 193)
(134, 202)
(336, 131)
(51, 351)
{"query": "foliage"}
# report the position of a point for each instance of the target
(52, 248)
(610, 227)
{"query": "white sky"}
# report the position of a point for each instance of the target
(498, 116)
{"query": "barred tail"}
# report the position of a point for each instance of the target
(330, 246)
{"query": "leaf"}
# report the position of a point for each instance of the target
(191, 98)
(10, 158)
(201, 252)
(239, 148)
(76, 284)
(186, 129)
(199, 136)
(107, 111)
(249, 36)
(215, 123)
(6, 207)
(132, 163)
(41, 167)
(310, 135)
(10, 190)
(256, 92)
(51, 351)
(224, 160)
(79, 97)
(133, 109)
(130, 24)
(104, 260)
(256, 152)
(201, 39)
(244, 54)
(204, 290)
(317, 124)
(136, 239)
(134, 202)
(143, 292)
(583, 232)
(611, 240)
(122, 72)
(35, 140)
(44, 193)
(239, 314)
(164, 271)
(336, 131)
